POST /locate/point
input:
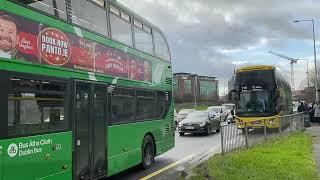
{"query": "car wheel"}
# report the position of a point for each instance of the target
(208, 130)
(243, 130)
(218, 130)
(181, 133)
(147, 152)
(176, 125)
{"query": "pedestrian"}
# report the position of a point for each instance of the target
(301, 107)
(316, 108)
(311, 111)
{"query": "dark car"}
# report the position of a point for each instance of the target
(199, 122)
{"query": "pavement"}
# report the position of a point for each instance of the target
(314, 130)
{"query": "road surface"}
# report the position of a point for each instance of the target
(189, 151)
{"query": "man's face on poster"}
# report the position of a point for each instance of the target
(8, 35)
(147, 71)
(133, 65)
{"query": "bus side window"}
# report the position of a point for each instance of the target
(36, 106)
(61, 9)
(161, 48)
(120, 26)
(143, 37)
(45, 6)
(123, 106)
(89, 15)
(55, 8)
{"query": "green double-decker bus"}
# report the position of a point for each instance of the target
(86, 90)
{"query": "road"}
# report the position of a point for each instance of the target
(189, 150)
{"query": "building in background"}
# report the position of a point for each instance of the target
(191, 88)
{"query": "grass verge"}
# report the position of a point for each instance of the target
(287, 157)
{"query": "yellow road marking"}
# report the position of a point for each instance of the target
(166, 168)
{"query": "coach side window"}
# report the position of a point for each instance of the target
(36, 106)
(89, 15)
(120, 26)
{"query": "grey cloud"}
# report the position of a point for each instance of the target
(195, 27)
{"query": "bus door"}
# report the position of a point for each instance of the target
(90, 131)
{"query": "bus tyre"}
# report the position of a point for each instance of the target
(181, 133)
(147, 152)
(218, 130)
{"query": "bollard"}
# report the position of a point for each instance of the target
(222, 146)
(290, 123)
(280, 125)
(265, 130)
(246, 135)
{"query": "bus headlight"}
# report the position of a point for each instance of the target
(271, 121)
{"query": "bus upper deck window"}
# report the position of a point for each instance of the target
(161, 47)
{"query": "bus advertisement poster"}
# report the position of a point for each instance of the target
(34, 42)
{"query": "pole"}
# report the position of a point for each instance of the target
(292, 75)
(315, 61)
(308, 73)
(195, 93)
(222, 139)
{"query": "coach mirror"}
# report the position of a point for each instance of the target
(232, 95)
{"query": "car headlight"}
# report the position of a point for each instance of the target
(203, 124)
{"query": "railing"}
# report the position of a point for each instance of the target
(234, 137)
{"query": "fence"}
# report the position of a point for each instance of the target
(234, 138)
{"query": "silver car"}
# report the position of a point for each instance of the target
(199, 122)
(214, 111)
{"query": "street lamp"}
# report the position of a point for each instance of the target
(314, 52)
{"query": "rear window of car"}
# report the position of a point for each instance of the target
(197, 114)
(185, 111)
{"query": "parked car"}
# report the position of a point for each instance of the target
(226, 110)
(182, 114)
(213, 111)
(199, 122)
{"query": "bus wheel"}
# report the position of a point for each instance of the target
(147, 152)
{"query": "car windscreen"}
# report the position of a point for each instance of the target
(214, 109)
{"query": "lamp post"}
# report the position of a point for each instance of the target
(315, 54)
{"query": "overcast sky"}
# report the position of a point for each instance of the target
(212, 37)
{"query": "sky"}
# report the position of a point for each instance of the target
(213, 37)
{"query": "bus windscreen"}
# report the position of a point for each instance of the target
(251, 80)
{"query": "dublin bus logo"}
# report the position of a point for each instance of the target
(12, 150)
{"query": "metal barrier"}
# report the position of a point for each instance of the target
(233, 138)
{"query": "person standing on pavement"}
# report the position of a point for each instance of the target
(311, 111)
(301, 107)
(316, 108)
